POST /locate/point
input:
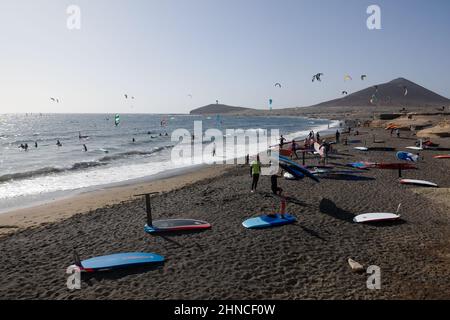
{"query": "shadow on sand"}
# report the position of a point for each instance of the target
(328, 207)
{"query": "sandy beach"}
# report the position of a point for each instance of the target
(306, 260)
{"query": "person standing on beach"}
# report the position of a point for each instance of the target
(255, 171)
(274, 185)
(397, 132)
(294, 149)
(318, 137)
(214, 150)
(26, 147)
(282, 140)
(338, 136)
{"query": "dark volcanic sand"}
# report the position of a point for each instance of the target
(307, 260)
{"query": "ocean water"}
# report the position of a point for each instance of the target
(50, 171)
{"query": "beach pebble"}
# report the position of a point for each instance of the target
(356, 267)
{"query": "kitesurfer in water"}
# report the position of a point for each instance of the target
(58, 143)
(85, 148)
(35, 144)
(255, 171)
(134, 140)
(338, 136)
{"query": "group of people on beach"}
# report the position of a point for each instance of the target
(255, 166)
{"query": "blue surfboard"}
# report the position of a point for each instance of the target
(407, 156)
(299, 168)
(120, 260)
(267, 221)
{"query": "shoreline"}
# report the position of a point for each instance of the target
(65, 207)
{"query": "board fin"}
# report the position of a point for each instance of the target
(398, 208)
(76, 258)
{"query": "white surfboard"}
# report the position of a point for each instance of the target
(362, 148)
(419, 148)
(375, 217)
(415, 148)
(423, 183)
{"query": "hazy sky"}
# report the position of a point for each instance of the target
(231, 50)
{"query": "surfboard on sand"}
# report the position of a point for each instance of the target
(422, 183)
(375, 217)
(299, 168)
(118, 261)
(363, 165)
(395, 166)
(407, 156)
(361, 148)
(174, 225)
(442, 156)
(269, 221)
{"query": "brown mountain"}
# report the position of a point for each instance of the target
(218, 109)
(390, 94)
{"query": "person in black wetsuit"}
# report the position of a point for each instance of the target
(274, 185)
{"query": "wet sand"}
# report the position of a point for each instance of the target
(306, 260)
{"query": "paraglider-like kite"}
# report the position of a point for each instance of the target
(363, 77)
(317, 77)
(347, 78)
(344, 93)
(278, 85)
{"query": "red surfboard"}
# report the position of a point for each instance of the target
(443, 156)
(395, 166)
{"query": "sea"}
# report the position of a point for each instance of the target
(139, 148)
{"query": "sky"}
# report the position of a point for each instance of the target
(234, 51)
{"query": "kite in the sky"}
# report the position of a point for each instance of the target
(126, 96)
(278, 85)
(190, 96)
(363, 77)
(317, 77)
(54, 99)
(344, 93)
(347, 78)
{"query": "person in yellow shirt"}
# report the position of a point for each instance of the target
(255, 171)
